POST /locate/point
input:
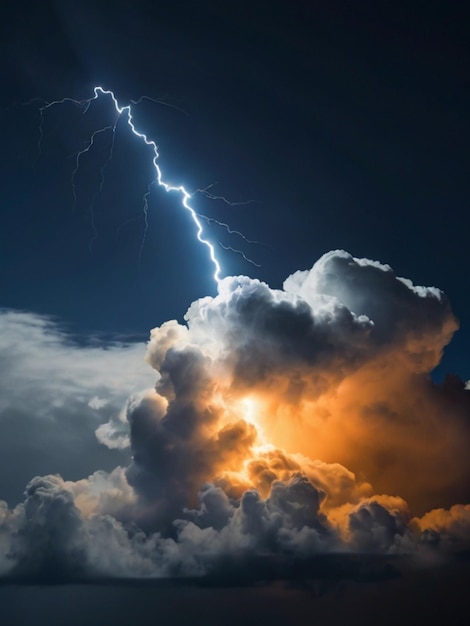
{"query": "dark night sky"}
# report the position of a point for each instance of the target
(346, 122)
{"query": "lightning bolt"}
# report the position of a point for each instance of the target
(126, 112)
(185, 195)
(168, 187)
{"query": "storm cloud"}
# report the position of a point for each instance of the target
(282, 423)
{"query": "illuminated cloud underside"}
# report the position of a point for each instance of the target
(288, 422)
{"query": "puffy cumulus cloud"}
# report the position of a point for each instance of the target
(48, 534)
(283, 424)
(52, 535)
(418, 319)
(179, 445)
(54, 393)
(51, 538)
(375, 527)
(264, 337)
(448, 528)
(7, 519)
(337, 366)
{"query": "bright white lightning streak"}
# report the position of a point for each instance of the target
(149, 142)
(186, 196)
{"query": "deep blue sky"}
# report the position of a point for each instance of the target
(347, 123)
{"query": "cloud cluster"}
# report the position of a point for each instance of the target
(278, 422)
(54, 393)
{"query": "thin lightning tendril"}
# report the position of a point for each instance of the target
(100, 188)
(212, 220)
(47, 105)
(158, 101)
(240, 252)
(204, 191)
(40, 137)
(145, 211)
(131, 220)
(78, 156)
